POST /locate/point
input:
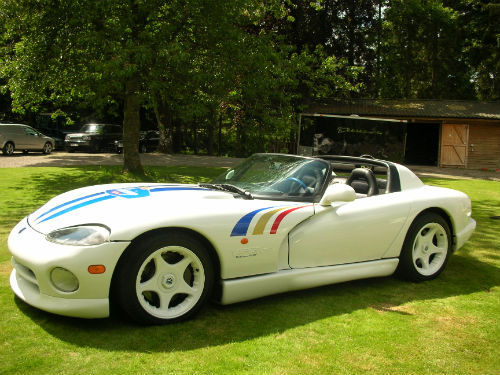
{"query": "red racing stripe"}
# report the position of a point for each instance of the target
(281, 216)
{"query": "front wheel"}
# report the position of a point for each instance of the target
(47, 148)
(426, 248)
(165, 278)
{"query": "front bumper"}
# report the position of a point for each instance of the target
(80, 308)
(78, 144)
(33, 258)
(464, 234)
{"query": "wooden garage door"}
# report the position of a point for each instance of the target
(454, 145)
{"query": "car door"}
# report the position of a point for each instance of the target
(25, 138)
(34, 140)
(349, 232)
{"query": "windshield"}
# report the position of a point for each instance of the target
(276, 176)
(91, 128)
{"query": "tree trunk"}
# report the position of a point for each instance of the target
(178, 138)
(292, 142)
(239, 139)
(131, 128)
(210, 131)
(195, 137)
(164, 121)
(219, 136)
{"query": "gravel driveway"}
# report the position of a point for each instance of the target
(64, 159)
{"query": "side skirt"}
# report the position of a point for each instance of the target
(247, 288)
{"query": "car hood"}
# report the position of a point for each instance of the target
(125, 206)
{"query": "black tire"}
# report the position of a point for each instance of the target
(426, 248)
(8, 149)
(47, 148)
(164, 278)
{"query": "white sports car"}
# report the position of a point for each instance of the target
(276, 223)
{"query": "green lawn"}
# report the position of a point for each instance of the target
(380, 326)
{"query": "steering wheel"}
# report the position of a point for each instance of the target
(297, 181)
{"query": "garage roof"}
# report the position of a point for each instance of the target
(410, 108)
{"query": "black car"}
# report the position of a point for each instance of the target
(57, 135)
(94, 137)
(148, 141)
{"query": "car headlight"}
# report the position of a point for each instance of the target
(85, 235)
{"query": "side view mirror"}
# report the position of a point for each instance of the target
(338, 193)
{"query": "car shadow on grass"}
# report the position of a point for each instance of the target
(219, 325)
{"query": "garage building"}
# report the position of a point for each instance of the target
(446, 133)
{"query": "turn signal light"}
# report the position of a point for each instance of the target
(97, 269)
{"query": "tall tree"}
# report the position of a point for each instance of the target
(480, 33)
(344, 29)
(77, 50)
(193, 76)
(422, 52)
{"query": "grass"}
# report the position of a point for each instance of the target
(378, 326)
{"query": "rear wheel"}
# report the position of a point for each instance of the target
(8, 149)
(426, 248)
(165, 278)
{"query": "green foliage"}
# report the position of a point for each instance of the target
(482, 44)
(424, 35)
(454, 44)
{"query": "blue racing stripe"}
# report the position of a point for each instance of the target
(83, 204)
(68, 203)
(109, 195)
(241, 227)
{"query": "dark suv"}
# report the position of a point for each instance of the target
(94, 137)
(148, 142)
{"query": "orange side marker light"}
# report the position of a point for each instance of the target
(244, 241)
(97, 269)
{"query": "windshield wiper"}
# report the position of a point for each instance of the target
(231, 188)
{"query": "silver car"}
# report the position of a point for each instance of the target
(19, 137)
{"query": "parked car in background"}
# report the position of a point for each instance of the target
(57, 135)
(20, 137)
(94, 138)
(148, 142)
